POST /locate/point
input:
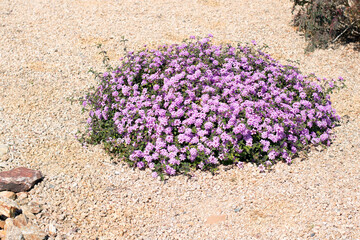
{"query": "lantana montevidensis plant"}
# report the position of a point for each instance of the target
(197, 105)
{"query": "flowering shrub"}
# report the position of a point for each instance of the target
(196, 105)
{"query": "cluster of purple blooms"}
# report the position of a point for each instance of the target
(201, 104)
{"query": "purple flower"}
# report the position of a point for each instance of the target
(201, 165)
(188, 131)
(288, 160)
(266, 145)
(213, 160)
(151, 165)
(198, 122)
(193, 152)
(169, 170)
(324, 137)
(140, 165)
(208, 125)
(194, 140)
(202, 133)
(261, 168)
(200, 147)
(174, 161)
(169, 139)
(272, 155)
(248, 140)
(240, 165)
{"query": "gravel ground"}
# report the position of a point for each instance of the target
(46, 50)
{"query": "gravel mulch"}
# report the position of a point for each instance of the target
(46, 50)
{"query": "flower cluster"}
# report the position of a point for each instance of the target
(199, 105)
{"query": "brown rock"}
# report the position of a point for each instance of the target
(27, 212)
(12, 231)
(19, 179)
(8, 194)
(22, 198)
(2, 224)
(35, 207)
(215, 219)
(8, 207)
(21, 221)
(32, 232)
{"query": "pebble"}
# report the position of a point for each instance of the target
(215, 219)
(52, 229)
(8, 194)
(4, 164)
(21, 196)
(8, 207)
(237, 209)
(3, 150)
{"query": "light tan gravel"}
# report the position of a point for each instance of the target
(46, 49)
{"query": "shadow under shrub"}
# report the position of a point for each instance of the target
(326, 21)
(197, 105)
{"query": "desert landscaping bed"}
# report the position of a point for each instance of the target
(46, 50)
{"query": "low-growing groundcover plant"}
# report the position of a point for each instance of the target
(197, 105)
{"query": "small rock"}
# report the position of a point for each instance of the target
(2, 225)
(319, 148)
(22, 198)
(52, 229)
(19, 179)
(8, 207)
(27, 212)
(215, 219)
(2, 234)
(34, 207)
(238, 209)
(61, 217)
(4, 164)
(3, 149)
(7, 194)
(21, 221)
(32, 232)
(21, 195)
(4, 158)
(312, 234)
(12, 231)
